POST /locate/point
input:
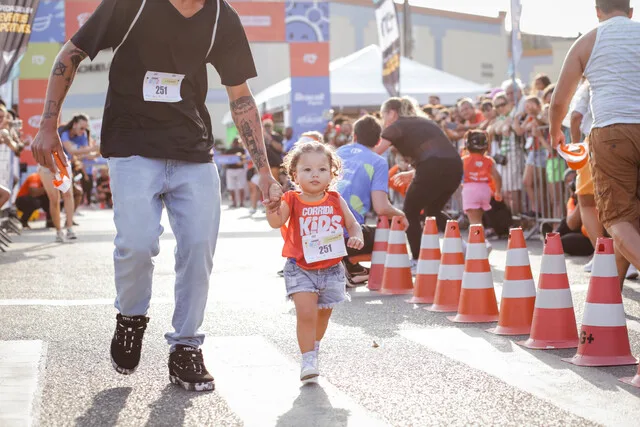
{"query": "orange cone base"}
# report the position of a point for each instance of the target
(398, 280)
(581, 360)
(425, 290)
(603, 346)
(634, 381)
(515, 317)
(443, 308)
(374, 286)
(510, 330)
(424, 300)
(548, 345)
(473, 318)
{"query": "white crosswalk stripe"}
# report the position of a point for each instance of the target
(20, 365)
(539, 373)
(261, 386)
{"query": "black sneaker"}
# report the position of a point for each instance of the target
(127, 343)
(186, 369)
(357, 275)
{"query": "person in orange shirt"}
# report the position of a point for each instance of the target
(312, 222)
(31, 197)
(481, 178)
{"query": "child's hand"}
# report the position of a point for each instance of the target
(498, 197)
(355, 243)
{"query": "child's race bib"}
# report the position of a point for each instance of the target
(162, 87)
(321, 247)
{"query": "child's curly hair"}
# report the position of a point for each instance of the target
(300, 148)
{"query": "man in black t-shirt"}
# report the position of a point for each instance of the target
(157, 135)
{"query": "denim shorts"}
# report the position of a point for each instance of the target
(329, 283)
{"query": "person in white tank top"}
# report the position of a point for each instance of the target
(609, 57)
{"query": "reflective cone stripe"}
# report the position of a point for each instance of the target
(554, 320)
(428, 264)
(397, 278)
(379, 254)
(518, 290)
(604, 339)
(478, 302)
(450, 273)
(634, 381)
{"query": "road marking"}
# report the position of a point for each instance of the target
(262, 387)
(587, 392)
(20, 365)
(71, 302)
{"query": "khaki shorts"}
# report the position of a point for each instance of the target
(584, 181)
(615, 159)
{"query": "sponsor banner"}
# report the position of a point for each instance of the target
(76, 14)
(262, 21)
(310, 104)
(32, 96)
(309, 59)
(48, 26)
(307, 21)
(38, 60)
(16, 20)
(389, 38)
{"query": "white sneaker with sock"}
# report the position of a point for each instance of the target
(414, 267)
(587, 268)
(309, 368)
(632, 272)
(60, 237)
(71, 235)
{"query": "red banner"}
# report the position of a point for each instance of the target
(30, 108)
(76, 14)
(309, 59)
(262, 21)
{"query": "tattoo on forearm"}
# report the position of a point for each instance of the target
(245, 115)
(59, 69)
(65, 68)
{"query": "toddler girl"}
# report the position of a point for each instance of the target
(481, 177)
(312, 222)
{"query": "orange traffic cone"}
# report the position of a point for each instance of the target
(397, 277)
(554, 321)
(634, 381)
(428, 264)
(604, 339)
(450, 273)
(518, 289)
(379, 255)
(478, 302)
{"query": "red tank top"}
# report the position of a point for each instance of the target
(308, 218)
(477, 168)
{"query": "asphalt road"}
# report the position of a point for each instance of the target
(56, 308)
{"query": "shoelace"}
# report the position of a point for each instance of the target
(191, 361)
(127, 334)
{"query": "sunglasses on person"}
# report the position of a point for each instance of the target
(500, 105)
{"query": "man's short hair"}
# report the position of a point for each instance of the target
(367, 131)
(608, 6)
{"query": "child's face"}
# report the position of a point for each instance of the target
(313, 172)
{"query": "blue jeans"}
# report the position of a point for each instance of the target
(191, 193)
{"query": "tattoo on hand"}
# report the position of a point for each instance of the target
(245, 113)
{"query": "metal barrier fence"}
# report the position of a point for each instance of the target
(9, 174)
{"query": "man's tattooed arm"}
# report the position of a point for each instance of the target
(62, 76)
(245, 115)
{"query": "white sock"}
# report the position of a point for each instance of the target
(317, 347)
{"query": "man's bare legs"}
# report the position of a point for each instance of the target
(589, 216)
(626, 236)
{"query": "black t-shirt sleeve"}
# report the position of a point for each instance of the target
(393, 133)
(106, 27)
(231, 54)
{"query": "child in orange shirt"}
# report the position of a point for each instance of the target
(479, 172)
(312, 222)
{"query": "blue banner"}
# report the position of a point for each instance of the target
(48, 26)
(310, 104)
(307, 21)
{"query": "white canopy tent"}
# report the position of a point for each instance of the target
(356, 81)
